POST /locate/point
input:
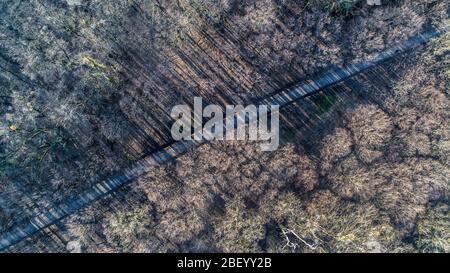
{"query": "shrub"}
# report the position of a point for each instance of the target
(239, 230)
(129, 230)
(180, 225)
(433, 230)
(334, 147)
(372, 130)
(350, 179)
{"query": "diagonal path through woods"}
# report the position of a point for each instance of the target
(283, 98)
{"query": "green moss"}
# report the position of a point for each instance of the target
(324, 102)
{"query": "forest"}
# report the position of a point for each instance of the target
(87, 87)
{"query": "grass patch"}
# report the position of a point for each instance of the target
(324, 102)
